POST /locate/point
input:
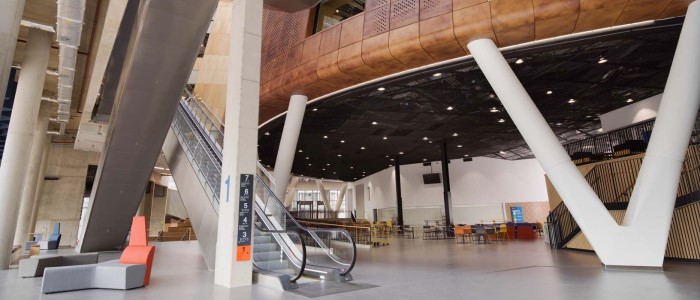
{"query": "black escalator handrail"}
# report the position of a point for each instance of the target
(303, 249)
(201, 130)
(312, 232)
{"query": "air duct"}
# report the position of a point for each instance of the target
(69, 27)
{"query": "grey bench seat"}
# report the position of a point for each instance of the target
(106, 275)
(35, 265)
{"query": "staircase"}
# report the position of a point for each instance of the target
(614, 181)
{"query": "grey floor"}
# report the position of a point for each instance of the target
(415, 269)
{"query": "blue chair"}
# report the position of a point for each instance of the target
(54, 239)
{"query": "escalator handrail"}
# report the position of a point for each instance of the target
(312, 233)
(303, 249)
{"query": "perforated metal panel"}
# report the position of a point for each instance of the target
(282, 31)
(404, 12)
(372, 4)
(432, 8)
(376, 21)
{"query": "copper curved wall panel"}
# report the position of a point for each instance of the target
(513, 21)
(392, 36)
(555, 17)
(640, 10)
(404, 44)
(472, 23)
(599, 14)
(438, 38)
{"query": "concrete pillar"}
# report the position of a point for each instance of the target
(341, 196)
(10, 16)
(288, 143)
(641, 240)
(20, 134)
(291, 193)
(39, 185)
(32, 177)
(242, 104)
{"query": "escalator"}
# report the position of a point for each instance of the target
(282, 247)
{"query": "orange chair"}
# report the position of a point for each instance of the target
(138, 251)
(459, 231)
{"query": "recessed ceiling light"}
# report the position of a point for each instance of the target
(391, 165)
(549, 92)
(602, 60)
(362, 148)
(267, 133)
(425, 138)
(425, 159)
(307, 157)
(387, 156)
(519, 61)
(494, 110)
(437, 74)
(325, 136)
(300, 151)
(392, 159)
(455, 134)
(430, 142)
(450, 108)
(401, 153)
(333, 172)
(384, 138)
(381, 89)
(337, 11)
(323, 169)
(339, 155)
(572, 100)
(315, 109)
(309, 165)
(558, 124)
(492, 96)
(503, 152)
(374, 123)
(259, 160)
(352, 167)
(355, 178)
(501, 120)
(459, 146)
(629, 100)
(466, 155)
(328, 164)
(342, 141)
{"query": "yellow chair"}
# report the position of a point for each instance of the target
(503, 230)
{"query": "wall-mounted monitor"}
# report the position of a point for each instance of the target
(431, 178)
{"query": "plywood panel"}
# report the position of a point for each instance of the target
(676, 8)
(598, 14)
(311, 49)
(327, 70)
(330, 40)
(351, 31)
(350, 62)
(641, 10)
(459, 4)
(404, 12)
(405, 45)
(376, 21)
(438, 38)
(376, 54)
(434, 8)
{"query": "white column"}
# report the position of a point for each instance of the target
(20, 135)
(641, 241)
(242, 101)
(292, 192)
(324, 197)
(341, 197)
(39, 185)
(30, 181)
(10, 16)
(288, 143)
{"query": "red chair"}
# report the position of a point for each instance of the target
(138, 251)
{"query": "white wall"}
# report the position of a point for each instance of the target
(631, 114)
(479, 189)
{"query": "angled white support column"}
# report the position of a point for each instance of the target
(641, 240)
(10, 17)
(242, 104)
(20, 135)
(288, 143)
(291, 192)
(322, 193)
(341, 197)
(33, 169)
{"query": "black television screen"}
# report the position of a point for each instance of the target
(431, 178)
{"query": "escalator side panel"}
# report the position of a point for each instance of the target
(156, 69)
(199, 209)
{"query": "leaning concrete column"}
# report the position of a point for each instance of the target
(30, 181)
(20, 134)
(288, 143)
(39, 185)
(10, 16)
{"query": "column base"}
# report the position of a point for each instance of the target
(632, 268)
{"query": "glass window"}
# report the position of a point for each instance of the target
(332, 12)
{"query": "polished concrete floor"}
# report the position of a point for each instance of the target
(415, 269)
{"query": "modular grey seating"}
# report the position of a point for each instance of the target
(54, 240)
(35, 241)
(106, 275)
(35, 265)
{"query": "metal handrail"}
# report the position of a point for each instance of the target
(303, 249)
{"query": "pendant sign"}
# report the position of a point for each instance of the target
(245, 218)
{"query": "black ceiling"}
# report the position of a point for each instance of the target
(416, 106)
